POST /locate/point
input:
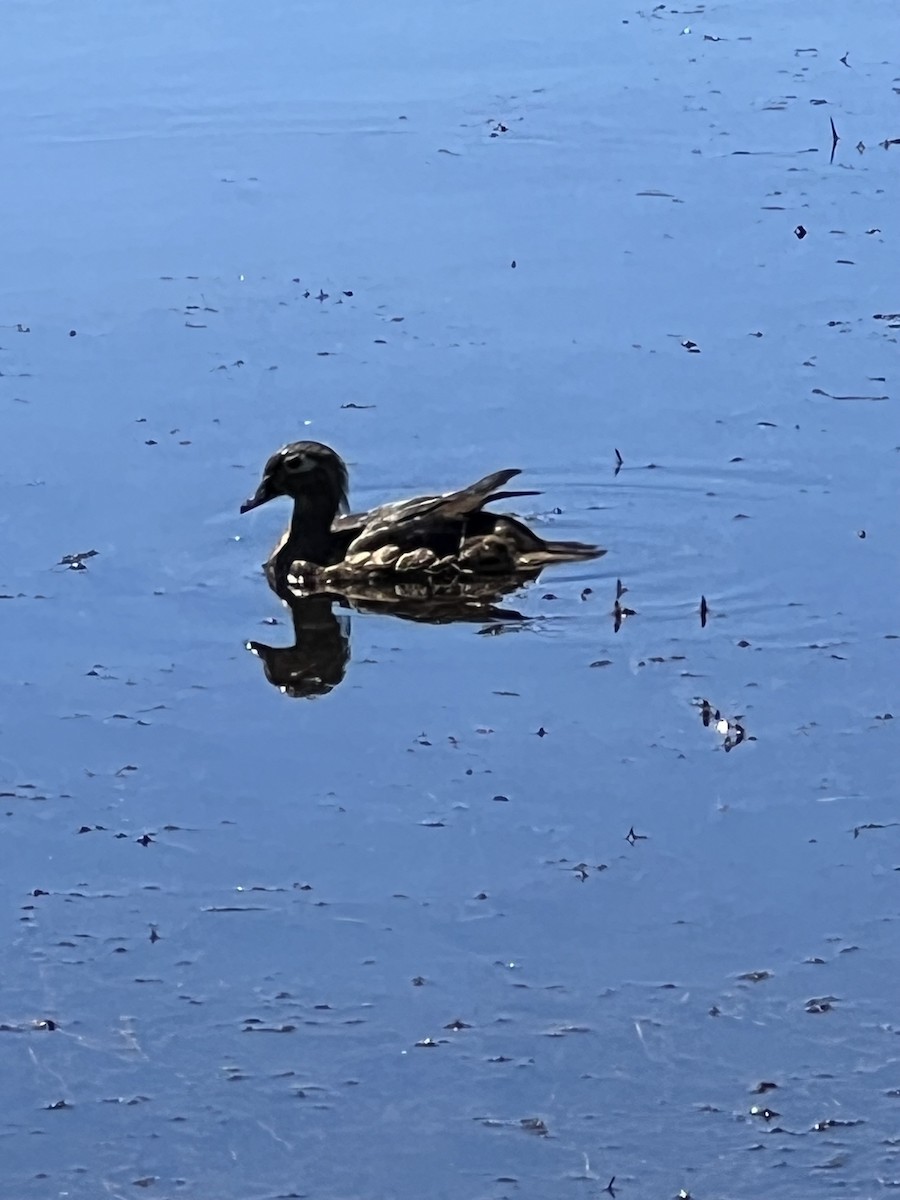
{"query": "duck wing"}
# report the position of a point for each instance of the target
(424, 520)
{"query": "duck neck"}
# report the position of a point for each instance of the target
(309, 534)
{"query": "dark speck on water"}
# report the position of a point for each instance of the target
(544, 834)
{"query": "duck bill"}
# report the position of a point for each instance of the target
(262, 495)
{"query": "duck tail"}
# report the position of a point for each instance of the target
(509, 496)
(559, 552)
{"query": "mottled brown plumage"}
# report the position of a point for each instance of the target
(424, 538)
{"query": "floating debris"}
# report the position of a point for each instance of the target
(534, 1125)
(869, 825)
(766, 1114)
(820, 1004)
(75, 562)
(731, 731)
(819, 392)
(620, 613)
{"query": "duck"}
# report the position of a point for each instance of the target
(430, 539)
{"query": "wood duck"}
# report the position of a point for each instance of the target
(427, 538)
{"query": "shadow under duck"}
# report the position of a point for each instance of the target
(427, 537)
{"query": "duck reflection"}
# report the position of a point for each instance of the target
(317, 661)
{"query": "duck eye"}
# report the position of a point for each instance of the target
(295, 463)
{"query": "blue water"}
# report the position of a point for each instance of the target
(256, 998)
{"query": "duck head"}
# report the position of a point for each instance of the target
(311, 473)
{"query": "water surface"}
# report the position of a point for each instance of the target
(499, 915)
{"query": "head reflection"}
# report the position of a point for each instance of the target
(317, 661)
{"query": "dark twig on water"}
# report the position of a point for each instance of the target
(834, 139)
